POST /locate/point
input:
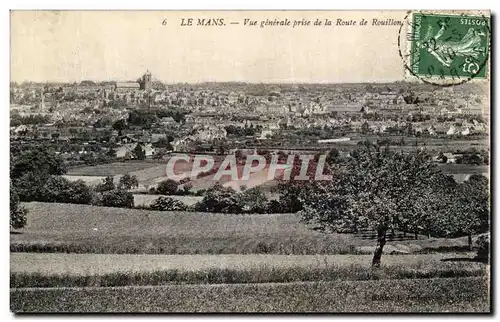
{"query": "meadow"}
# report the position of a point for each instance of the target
(464, 294)
(75, 228)
(82, 258)
(110, 169)
(99, 264)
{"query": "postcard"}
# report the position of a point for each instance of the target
(250, 161)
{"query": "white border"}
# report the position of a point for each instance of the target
(193, 5)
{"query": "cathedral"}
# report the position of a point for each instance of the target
(143, 83)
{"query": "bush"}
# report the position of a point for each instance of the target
(117, 198)
(483, 248)
(167, 187)
(53, 189)
(200, 192)
(79, 193)
(274, 207)
(253, 201)
(220, 199)
(17, 212)
(186, 189)
(128, 182)
(168, 204)
(107, 184)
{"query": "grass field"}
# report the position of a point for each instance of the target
(406, 295)
(91, 264)
(114, 263)
(74, 228)
(110, 169)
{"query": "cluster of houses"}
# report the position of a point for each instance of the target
(213, 109)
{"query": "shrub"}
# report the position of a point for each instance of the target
(200, 192)
(253, 200)
(53, 189)
(274, 207)
(220, 199)
(79, 193)
(483, 248)
(117, 198)
(168, 204)
(186, 189)
(107, 184)
(128, 182)
(167, 187)
(17, 212)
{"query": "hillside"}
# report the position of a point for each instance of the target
(74, 228)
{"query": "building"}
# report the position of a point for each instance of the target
(143, 83)
(123, 87)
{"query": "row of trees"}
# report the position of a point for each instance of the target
(374, 187)
(221, 199)
(386, 190)
(35, 175)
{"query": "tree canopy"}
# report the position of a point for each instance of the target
(378, 189)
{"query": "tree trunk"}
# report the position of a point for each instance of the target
(380, 247)
(404, 234)
(469, 241)
(416, 235)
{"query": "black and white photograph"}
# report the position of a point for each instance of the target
(245, 161)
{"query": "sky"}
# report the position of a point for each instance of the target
(68, 46)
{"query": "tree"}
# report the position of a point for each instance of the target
(139, 152)
(471, 211)
(374, 188)
(289, 196)
(59, 189)
(107, 184)
(220, 199)
(80, 193)
(142, 118)
(333, 156)
(254, 200)
(31, 168)
(117, 198)
(39, 160)
(483, 248)
(167, 187)
(128, 182)
(17, 212)
(120, 125)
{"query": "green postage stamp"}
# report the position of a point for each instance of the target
(449, 46)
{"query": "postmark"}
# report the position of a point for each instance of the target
(445, 49)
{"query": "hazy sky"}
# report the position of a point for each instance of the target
(119, 45)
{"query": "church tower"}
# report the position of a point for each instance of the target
(146, 81)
